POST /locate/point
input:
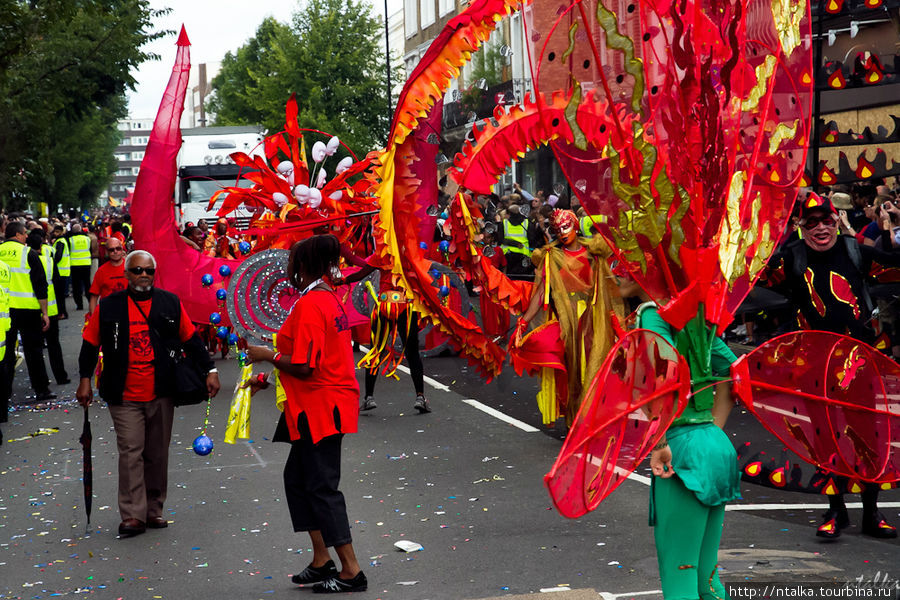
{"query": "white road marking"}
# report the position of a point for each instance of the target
(259, 458)
(781, 411)
(611, 596)
(639, 478)
(499, 415)
(743, 507)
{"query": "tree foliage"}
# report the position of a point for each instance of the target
(331, 55)
(64, 70)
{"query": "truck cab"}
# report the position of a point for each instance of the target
(205, 166)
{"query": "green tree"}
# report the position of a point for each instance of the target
(238, 98)
(64, 69)
(331, 55)
(487, 65)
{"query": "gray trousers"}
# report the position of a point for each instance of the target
(143, 433)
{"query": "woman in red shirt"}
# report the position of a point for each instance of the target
(314, 357)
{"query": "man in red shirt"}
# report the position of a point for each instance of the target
(139, 329)
(110, 277)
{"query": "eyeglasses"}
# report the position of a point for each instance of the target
(116, 249)
(814, 222)
(142, 270)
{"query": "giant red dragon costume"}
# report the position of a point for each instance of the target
(684, 124)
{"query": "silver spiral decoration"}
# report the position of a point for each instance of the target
(260, 295)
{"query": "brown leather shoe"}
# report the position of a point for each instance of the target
(131, 527)
(157, 522)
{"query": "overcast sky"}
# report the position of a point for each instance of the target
(214, 27)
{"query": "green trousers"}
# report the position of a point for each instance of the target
(687, 535)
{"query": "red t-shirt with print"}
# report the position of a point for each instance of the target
(139, 379)
(317, 334)
(108, 279)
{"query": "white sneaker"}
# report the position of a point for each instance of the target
(368, 403)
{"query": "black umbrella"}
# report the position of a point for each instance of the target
(88, 477)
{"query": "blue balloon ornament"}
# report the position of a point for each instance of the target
(203, 445)
(245, 247)
(222, 332)
(224, 270)
(233, 339)
(444, 215)
(423, 245)
(215, 318)
(444, 291)
(444, 245)
(206, 280)
(221, 294)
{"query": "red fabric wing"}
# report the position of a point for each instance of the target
(612, 433)
(846, 419)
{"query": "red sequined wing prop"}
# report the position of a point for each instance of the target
(846, 419)
(640, 389)
(683, 132)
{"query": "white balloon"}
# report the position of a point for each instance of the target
(315, 198)
(336, 195)
(290, 179)
(285, 167)
(279, 198)
(320, 179)
(319, 151)
(345, 164)
(332, 146)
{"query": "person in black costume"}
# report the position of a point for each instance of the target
(825, 277)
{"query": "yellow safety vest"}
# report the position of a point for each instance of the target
(80, 250)
(517, 233)
(586, 223)
(4, 306)
(21, 294)
(64, 264)
(47, 259)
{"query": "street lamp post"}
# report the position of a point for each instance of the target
(387, 58)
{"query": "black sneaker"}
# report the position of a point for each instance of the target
(421, 405)
(313, 574)
(832, 523)
(336, 585)
(44, 396)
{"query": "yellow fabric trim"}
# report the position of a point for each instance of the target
(239, 413)
(546, 397)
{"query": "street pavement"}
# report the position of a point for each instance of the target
(463, 483)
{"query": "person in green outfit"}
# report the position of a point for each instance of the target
(695, 470)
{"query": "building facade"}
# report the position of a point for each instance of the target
(129, 154)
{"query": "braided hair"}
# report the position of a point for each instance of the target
(314, 257)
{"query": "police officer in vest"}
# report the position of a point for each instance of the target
(80, 264)
(515, 245)
(27, 312)
(61, 269)
(4, 327)
(35, 241)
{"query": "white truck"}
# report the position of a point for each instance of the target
(205, 166)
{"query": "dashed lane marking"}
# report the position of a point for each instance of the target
(502, 416)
